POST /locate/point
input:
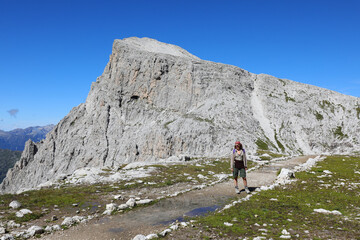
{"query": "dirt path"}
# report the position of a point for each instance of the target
(157, 217)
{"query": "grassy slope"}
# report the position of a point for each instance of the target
(294, 208)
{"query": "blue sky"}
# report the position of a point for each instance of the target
(51, 50)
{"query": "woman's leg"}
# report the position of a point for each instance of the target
(236, 182)
(245, 182)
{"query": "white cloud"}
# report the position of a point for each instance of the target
(13, 112)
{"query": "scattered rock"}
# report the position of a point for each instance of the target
(131, 202)
(32, 231)
(78, 219)
(144, 201)
(228, 224)
(13, 224)
(139, 237)
(163, 233)
(22, 212)
(285, 234)
(2, 230)
(56, 228)
(320, 210)
(7, 237)
(174, 227)
(48, 229)
(118, 197)
(152, 236)
(122, 206)
(68, 221)
(15, 204)
(54, 218)
(110, 208)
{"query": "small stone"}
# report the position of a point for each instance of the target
(118, 197)
(163, 233)
(152, 236)
(22, 213)
(15, 204)
(122, 206)
(13, 224)
(139, 237)
(56, 227)
(32, 231)
(48, 229)
(131, 202)
(54, 218)
(7, 237)
(111, 206)
(68, 221)
(144, 201)
(2, 230)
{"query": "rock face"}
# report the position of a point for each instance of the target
(156, 101)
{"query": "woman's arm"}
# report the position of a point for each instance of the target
(244, 158)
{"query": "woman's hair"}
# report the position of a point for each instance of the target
(240, 145)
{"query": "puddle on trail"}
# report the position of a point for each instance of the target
(193, 213)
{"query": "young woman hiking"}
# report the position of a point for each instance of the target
(238, 165)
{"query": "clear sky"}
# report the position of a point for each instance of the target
(52, 50)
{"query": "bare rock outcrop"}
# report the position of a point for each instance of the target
(156, 100)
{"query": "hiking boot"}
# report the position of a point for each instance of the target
(237, 190)
(247, 190)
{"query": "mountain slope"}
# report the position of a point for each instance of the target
(8, 159)
(155, 100)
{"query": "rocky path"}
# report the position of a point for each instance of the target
(155, 218)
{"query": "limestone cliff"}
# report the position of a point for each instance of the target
(156, 100)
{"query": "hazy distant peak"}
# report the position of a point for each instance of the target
(152, 45)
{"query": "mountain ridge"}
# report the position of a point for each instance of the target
(15, 139)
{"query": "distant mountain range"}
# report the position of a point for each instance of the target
(15, 139)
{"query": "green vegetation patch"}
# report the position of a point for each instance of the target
(325, 104)
(358, 112)
(198, 118)
(270, 153)
(291, 207)
(279, 143)
(339, 134)
(318, 116)
(262, 145)
(287, 98)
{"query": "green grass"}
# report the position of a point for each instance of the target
(271, 154)
(339, 134)
(278, 142)
(287, 98)
(325, 104)
(358, 112)
(318, 116)
(297, 202)
(262, 145)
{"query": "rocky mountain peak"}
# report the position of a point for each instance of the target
(154, 46)
(156, 101)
